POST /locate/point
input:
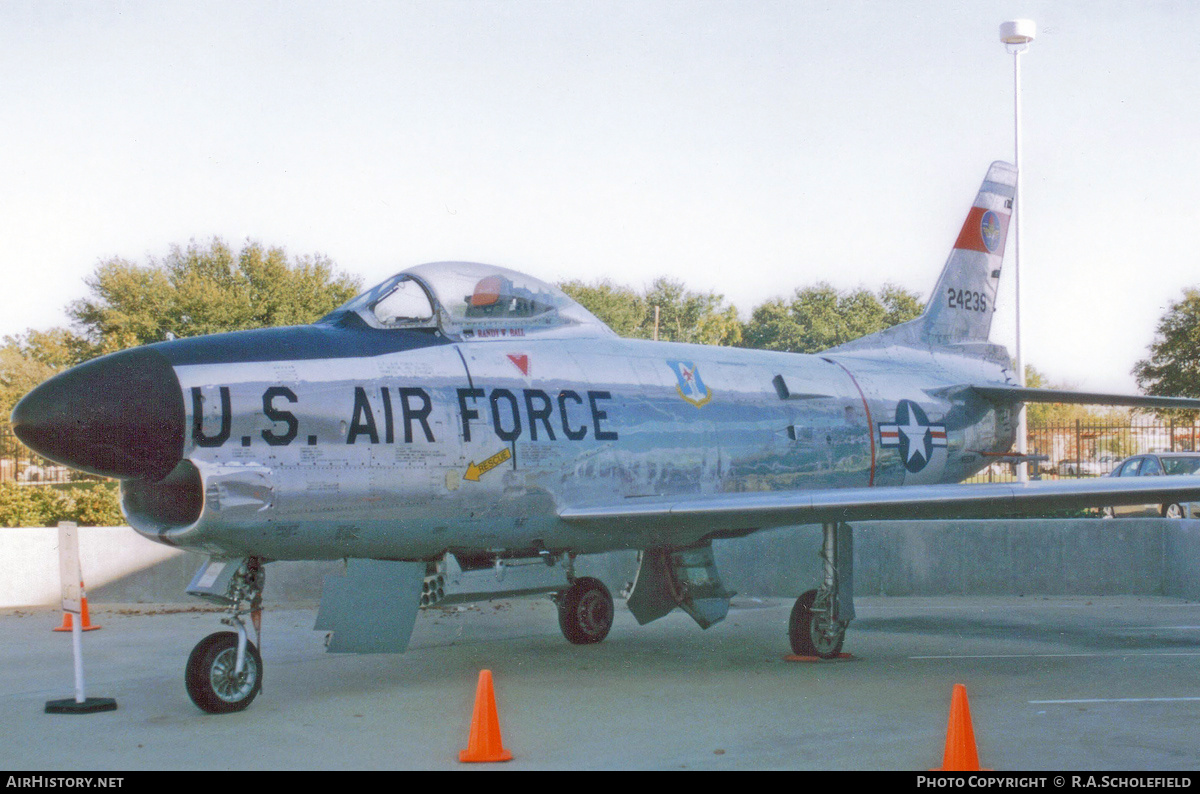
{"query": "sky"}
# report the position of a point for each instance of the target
(745, 148)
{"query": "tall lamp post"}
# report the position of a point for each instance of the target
(1016, 35)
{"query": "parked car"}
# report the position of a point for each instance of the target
(1085, 468)
(1157, 464)
(1070, 468)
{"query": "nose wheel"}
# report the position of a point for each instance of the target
(212, 678)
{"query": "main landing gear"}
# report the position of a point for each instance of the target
(225, 670)
(585, 608)
(817, 626)
(585, 611)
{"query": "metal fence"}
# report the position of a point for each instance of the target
(1093, 449)
(19, 465)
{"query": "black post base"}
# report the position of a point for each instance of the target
(88, 706)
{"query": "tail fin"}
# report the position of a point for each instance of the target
(960, 309)
(964, 300)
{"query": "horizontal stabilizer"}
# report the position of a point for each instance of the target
(760, 510)
(1020, 394)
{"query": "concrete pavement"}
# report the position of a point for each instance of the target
(1055, 683)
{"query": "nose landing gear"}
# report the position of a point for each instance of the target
(224, 671)
(214, 679)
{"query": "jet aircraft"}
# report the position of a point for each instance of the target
(463, 431)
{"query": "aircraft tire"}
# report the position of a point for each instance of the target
(209, 678)
(805, 633)
(585, 611)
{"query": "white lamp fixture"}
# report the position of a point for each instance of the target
(1018, 31)
(1016, 35)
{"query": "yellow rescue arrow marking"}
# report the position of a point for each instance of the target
(475, 472)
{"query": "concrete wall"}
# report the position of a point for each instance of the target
(898, 558)
(1012, 557)
(1181, 560)
(120, 566)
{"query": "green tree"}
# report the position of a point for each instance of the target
(57, 348)
(683, 315)
(722, 327)
(772, 327)
(204, 289)
(1173, 367)
(899, 305)
(820, 317)
(87, 504)
(201, 289)
(687, 316)
(19, 373)
(1042, 414)
(619, 307)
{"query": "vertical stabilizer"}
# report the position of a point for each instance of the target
(961, 306)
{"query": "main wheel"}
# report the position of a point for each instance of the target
(211, 682)
(812, 633)
(585, 611)
(1172, 511)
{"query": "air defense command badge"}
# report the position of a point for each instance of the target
(690, 386)
(989, 229)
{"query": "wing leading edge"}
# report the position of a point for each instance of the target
(762, 510)
(1021, 394)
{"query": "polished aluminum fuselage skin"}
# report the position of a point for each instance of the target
(476, 446)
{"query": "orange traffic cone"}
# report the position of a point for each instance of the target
(960, 754)
(484, 744)
(85, 620)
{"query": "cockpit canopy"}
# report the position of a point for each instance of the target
(466, 300)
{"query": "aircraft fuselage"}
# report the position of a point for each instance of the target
(476, 446)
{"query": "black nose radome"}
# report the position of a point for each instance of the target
(120, 415)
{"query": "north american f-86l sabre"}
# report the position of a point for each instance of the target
(464, 431)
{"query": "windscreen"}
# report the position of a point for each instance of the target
(1181, 465)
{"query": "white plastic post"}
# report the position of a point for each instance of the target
(77, 646)
(72, 595)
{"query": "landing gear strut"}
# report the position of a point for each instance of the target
(817, 626)
(225, 670)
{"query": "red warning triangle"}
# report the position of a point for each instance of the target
(521, 361)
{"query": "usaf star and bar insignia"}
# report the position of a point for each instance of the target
(913, 434)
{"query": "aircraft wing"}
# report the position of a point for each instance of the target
(1021, 394)
(760, 510)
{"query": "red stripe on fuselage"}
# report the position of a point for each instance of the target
(870, 424)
